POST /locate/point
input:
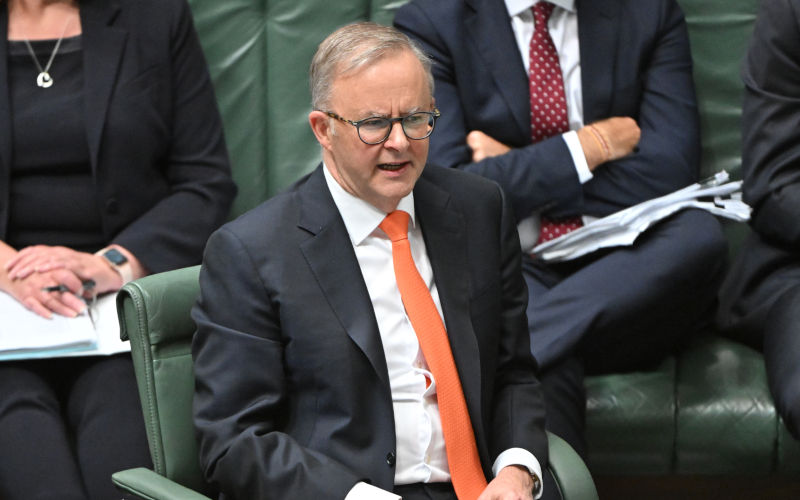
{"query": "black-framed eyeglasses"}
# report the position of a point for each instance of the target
(376, 129)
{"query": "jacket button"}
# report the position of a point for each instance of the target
(390, 459)
(112, 205)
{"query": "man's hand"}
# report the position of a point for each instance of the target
(484, 146)
(44, 259)
(511, 483)
(609, 139)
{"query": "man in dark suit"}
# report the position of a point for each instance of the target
(760, 299)
(310, 379)
(630, 134)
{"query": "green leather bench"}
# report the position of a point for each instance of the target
(704, 421)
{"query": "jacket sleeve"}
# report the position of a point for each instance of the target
(771, 123)
(668, 154)
(172, 232)
(518, 408)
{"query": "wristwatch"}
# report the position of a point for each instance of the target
(537, 483)
(118, 263)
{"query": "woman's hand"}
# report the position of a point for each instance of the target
(45, 259)
(32, 293)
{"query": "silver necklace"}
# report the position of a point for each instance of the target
(43, 79)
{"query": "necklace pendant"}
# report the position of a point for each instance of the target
(44, 80)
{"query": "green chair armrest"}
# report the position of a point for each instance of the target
(570, 472)
(148, 485)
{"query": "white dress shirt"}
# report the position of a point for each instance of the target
(563, 28)
(420, 456)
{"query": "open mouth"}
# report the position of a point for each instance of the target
(392, 167)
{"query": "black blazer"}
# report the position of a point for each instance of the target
(769, 262)
(292, 393)
(154, 132)
(635, 61)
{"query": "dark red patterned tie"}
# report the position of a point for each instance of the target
(548, 103)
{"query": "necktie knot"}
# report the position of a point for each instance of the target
(541, 13)
(395, 225)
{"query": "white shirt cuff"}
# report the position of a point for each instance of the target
(578, 158)
(519, 456)
(364, 491)
(528, 230)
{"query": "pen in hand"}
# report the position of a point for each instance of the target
(87, 285)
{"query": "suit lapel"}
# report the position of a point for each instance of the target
(330, 255)
(5, 123)
(103, 46)
(490, 29)
(445, 241)
(598, 37)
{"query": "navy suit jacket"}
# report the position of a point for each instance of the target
(154, 132)
(292, 392)
(635, 61)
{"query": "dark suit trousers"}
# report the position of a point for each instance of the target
(620, 309)
(626, 308)
(760, 306)
(66, 425)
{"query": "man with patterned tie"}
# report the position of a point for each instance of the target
(363, 335)
(578, 109)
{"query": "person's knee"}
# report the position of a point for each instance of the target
(701, 235)
(782, 357)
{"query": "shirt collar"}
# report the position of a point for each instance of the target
(515, 7)
(361, 218)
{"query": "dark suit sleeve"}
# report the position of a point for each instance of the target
(654, 77)
(518, 411)
(195, 163)
(668, 156)
(771, 123)
(241, 392)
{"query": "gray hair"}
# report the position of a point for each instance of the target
(353, 46)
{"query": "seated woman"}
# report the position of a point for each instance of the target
(112, 166)
(760, 299)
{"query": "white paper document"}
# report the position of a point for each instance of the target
(716, 195)
(25, 335)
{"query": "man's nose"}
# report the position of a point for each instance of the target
(397, 137)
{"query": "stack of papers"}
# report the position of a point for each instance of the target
(717, 195)
(24, 334)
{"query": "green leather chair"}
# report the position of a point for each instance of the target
(154, 316)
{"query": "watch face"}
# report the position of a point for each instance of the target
(115, 257)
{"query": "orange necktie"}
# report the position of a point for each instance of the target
(459, 439)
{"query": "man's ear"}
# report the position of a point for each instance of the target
(321, 126)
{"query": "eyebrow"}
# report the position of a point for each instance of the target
(375, 114)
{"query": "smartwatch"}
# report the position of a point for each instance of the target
(118, 263)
